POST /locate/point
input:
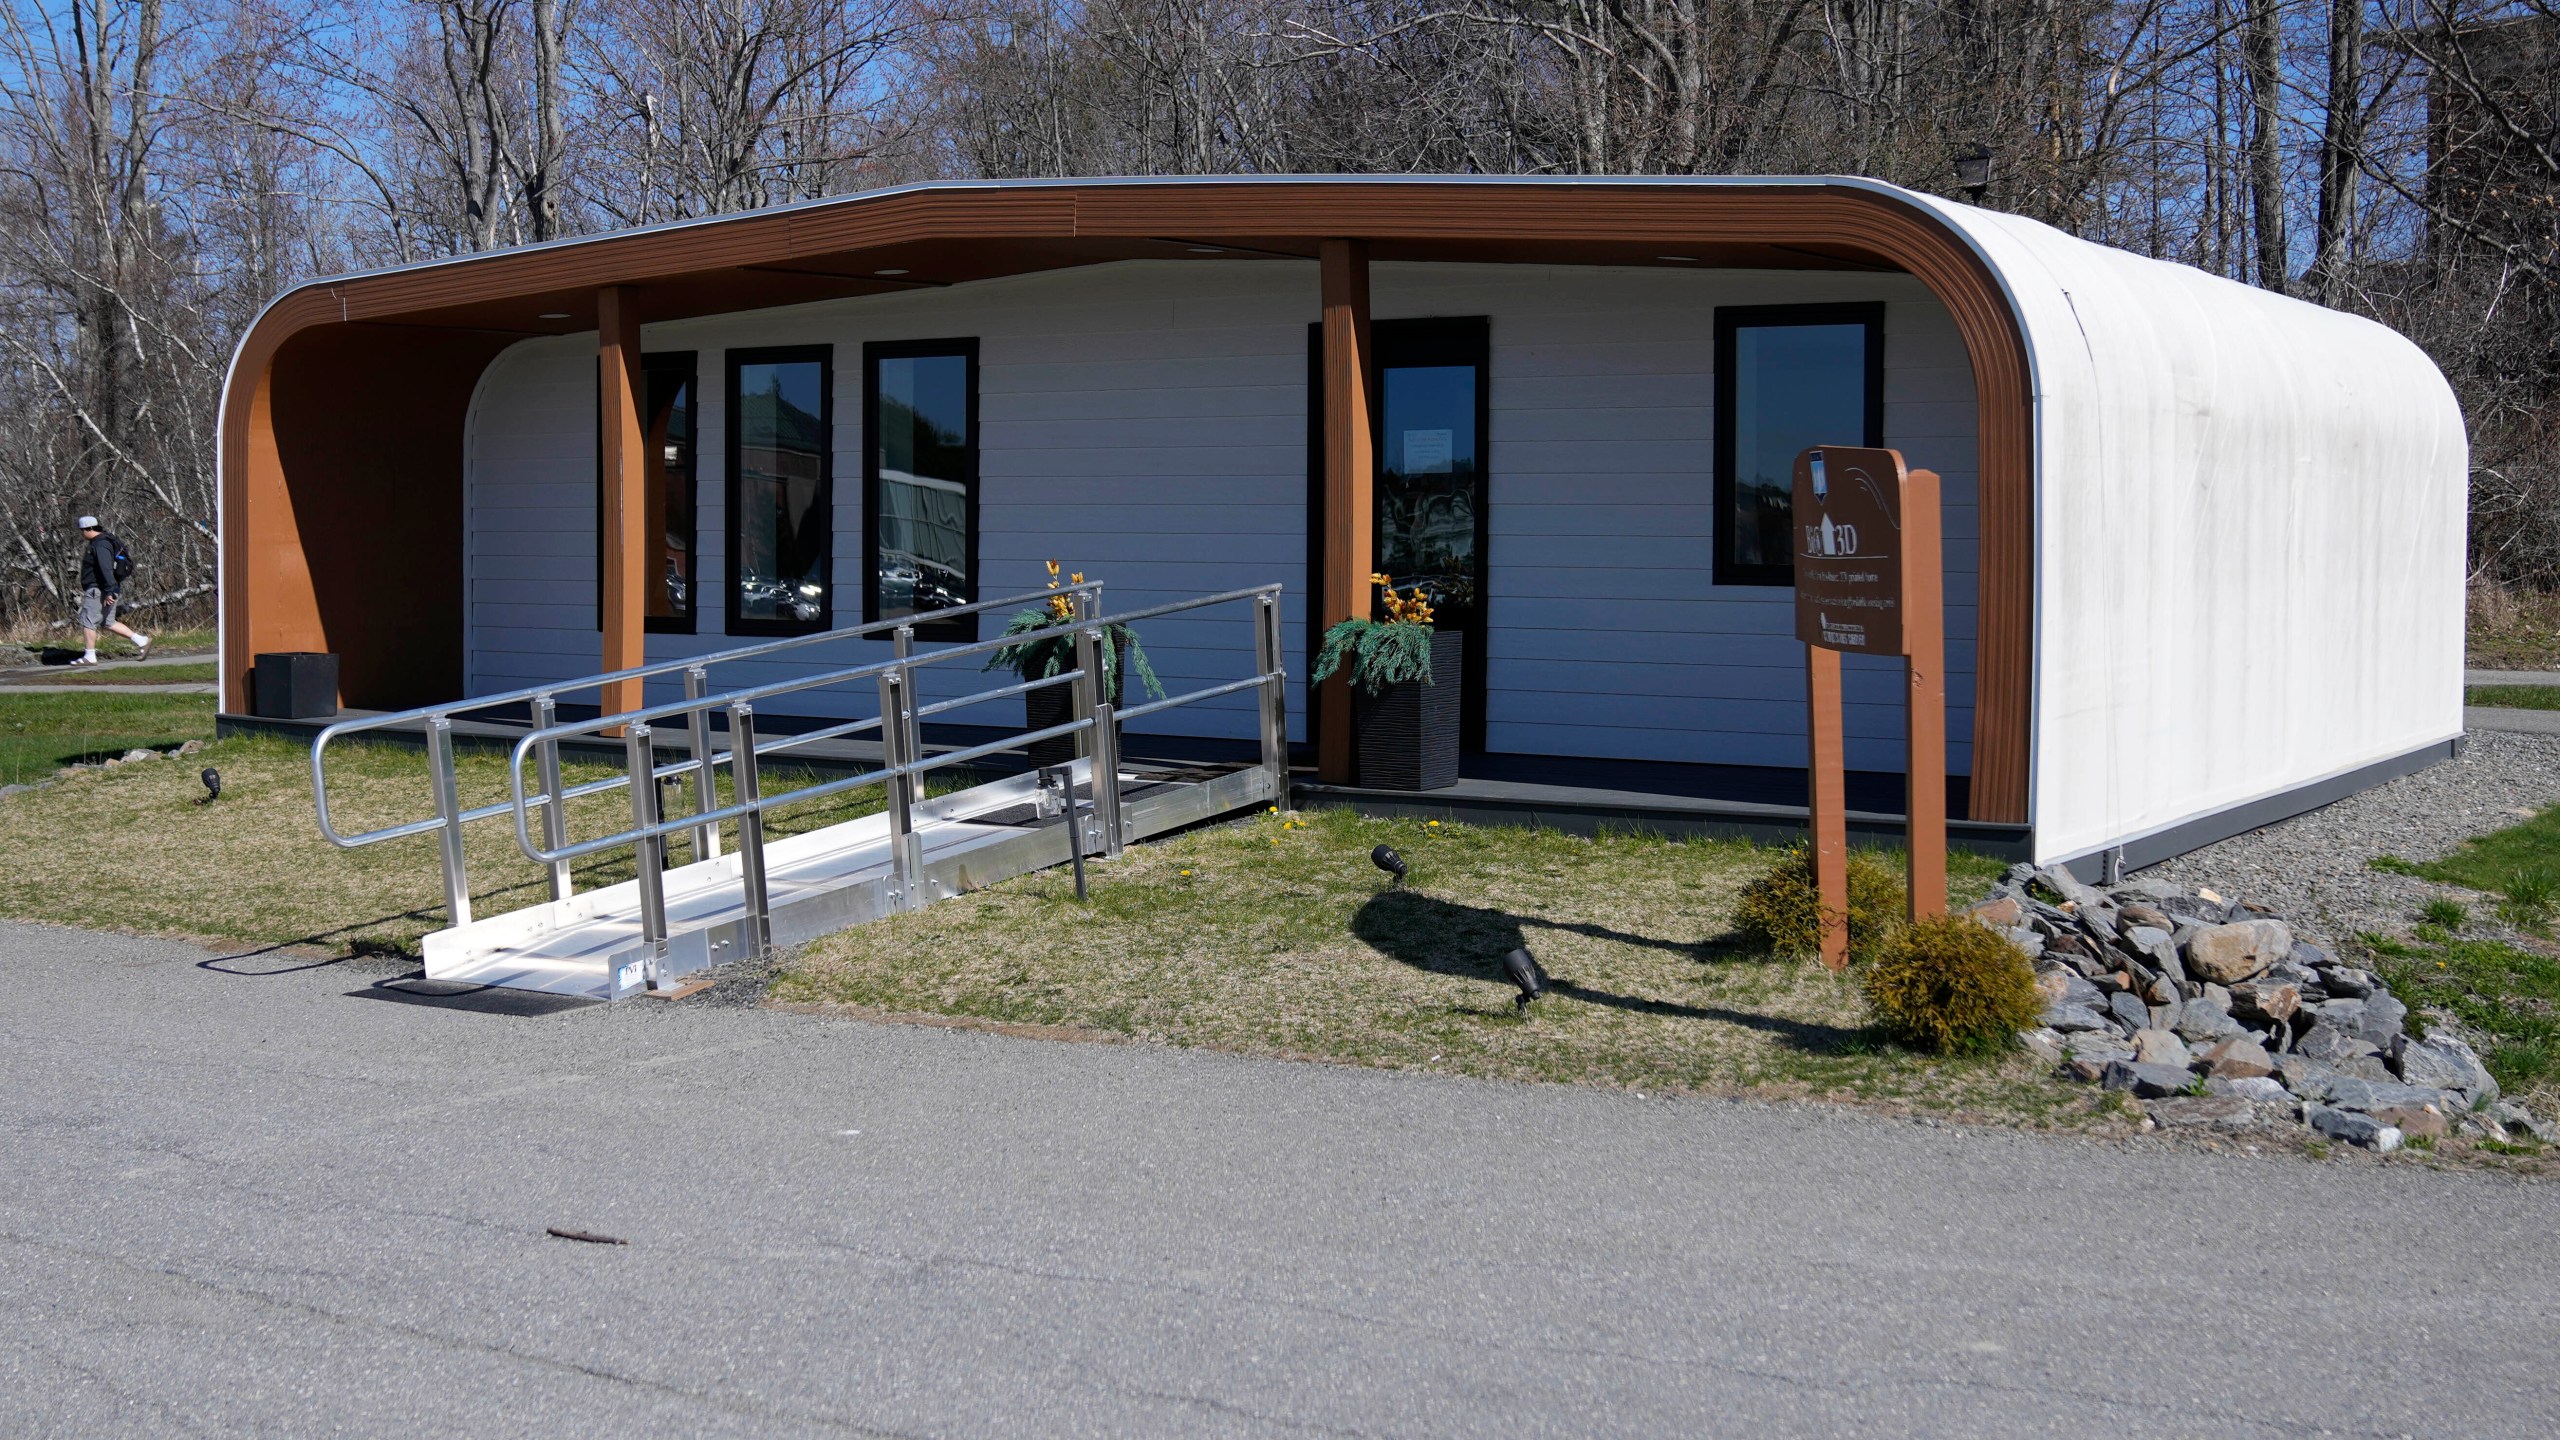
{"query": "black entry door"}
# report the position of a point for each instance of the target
(1430, 460)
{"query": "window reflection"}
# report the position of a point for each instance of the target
(782, 529)
(920, 409)
(1794, 387)
(1428, 486)
(668, 594)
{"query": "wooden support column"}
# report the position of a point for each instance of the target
(1350, 503)
(623, 548)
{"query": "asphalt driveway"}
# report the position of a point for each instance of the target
(246, 1197)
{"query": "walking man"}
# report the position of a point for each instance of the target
(104, 567)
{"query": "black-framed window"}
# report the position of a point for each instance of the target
(920, 483)
(668, 520)
(781, 490)
(1788, 377)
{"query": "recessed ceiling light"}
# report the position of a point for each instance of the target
(552, 315)
(888, 272)
(1208, 250)
(1685, 259)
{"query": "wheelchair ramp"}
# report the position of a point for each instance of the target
(820, 882)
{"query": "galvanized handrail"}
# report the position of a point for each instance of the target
(903, 761)
(450, 817)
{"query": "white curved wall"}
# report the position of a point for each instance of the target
(2249, 547)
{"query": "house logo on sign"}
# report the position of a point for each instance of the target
(1842, 633)
(1827, 538)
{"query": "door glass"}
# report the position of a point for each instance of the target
(669, 589)
(923, 410)
(782, 521)
(1794, 387)
(1428, 487)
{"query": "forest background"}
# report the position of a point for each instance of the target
(168, 166)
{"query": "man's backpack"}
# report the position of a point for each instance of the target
(124, 559)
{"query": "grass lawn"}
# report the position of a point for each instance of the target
(1284, 940)
(134, 848)
(2514, 697)
(39, 734)
(111, 673)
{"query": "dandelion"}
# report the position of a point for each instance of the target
(1186, 874)
(1433, 825)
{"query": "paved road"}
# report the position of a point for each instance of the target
(240, 1197)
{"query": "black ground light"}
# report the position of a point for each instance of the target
(1523, 969)
(1389, 861)
(212, 779)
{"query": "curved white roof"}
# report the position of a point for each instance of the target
(2250, 528)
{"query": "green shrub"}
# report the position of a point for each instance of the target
(1954, 985)
(1782, 911)
(2443, 913)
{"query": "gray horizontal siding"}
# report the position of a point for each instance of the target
(1147, 424)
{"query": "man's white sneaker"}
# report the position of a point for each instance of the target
(141, 645)
(86, 660)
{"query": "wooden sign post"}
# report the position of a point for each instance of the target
(1869, 580)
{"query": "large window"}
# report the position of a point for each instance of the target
(920, 482)
(781, 490)
(1788, 377)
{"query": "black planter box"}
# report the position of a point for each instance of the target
(1405, 737)
(1056, 705)
(294, 685)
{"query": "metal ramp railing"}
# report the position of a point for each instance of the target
(840, 875)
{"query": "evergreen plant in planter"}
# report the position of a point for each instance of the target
(1046, 646)
(1404, 725)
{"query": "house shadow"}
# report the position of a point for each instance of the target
(1447, 938)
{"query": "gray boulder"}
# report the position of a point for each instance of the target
(2259, 1089)
(2310, 956)
(2329, 1044)
(2129, 1012)
(2068, 1018)
(2237, 1059)
(2161, 1047)
(2384, 1017)
(2350, 1092)
(2201, 1020)
(2228, 954)
(2352, 1128)
(2265, 1001)
(2347, 980)
(2147, 1081)
(2045, 1045)
(2444, 1062)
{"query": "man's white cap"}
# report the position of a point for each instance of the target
(88, 522)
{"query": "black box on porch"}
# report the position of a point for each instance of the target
(1406, 735)
(294, 685)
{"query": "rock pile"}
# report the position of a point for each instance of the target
(2217, 1015)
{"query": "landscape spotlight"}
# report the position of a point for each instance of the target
(1523, 969)
(1973, 172)
(1389, 861)
(212, 784)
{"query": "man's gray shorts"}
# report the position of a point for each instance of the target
(97, 612)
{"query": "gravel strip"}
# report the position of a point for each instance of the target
(2312, 869)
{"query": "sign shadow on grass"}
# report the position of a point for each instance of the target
(1447, 938)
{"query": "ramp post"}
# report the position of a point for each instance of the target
(706, 777)
(750, 793)
(457, 885)
(899, 746)
(1104, 737)
(640, 753)
(1275, 697)
(555, 824)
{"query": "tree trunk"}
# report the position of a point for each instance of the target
(2263, 54)
(2341, 145)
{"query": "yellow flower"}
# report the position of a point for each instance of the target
(1186, 874)
(1053, 569)
(1076, 579)
(1434, 824)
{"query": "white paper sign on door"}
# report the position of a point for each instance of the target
(1426, 452)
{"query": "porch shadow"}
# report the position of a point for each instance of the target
(1447, 938)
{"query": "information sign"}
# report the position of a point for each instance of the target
(1849, 549)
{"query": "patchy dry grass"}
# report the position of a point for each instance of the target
(1274, 939)
(134, 848)
(2512, 629)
